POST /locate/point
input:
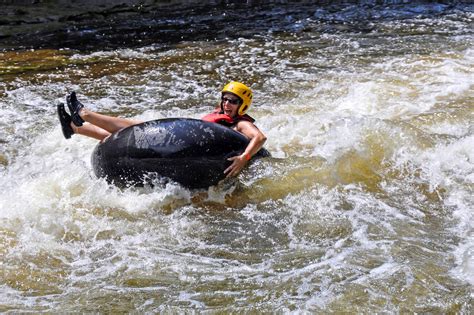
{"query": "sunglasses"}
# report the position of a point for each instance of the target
(233, 101)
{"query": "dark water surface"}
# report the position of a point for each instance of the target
(365, 207)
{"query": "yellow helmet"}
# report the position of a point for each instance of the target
(242, 91)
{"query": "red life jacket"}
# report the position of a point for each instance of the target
(223, 119)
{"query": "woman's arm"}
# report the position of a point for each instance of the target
(257, 139)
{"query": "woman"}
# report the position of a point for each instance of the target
(235, 101)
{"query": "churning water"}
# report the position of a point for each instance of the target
(366, 205)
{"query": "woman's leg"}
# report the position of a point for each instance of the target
(105, 123)
(80, 114)
(98, 126)
(90, 130)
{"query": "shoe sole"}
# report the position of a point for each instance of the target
(65, 121)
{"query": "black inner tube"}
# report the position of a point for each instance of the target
(189, 151)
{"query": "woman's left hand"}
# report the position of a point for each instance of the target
(238, 163)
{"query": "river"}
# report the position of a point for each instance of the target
(366, 205)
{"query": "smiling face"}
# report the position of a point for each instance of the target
(230, 104)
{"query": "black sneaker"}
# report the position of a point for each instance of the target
(75, 107)
(65, 120)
